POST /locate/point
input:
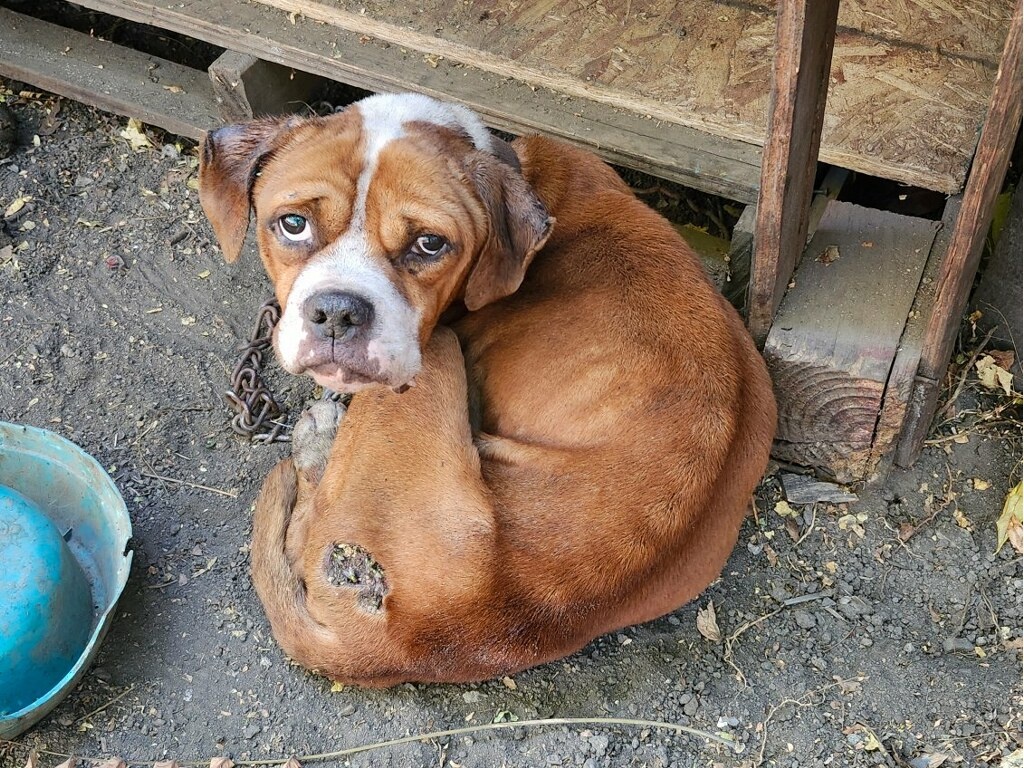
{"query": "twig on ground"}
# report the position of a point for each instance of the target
(591, 721)
(114, 700)
(951, 401)
(736, 635)
(163, 478)
(801, 702)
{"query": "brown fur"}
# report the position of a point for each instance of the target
(575, 458)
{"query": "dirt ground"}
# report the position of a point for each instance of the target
(842, 643)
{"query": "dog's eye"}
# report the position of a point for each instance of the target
(295, 228)
(430, 246)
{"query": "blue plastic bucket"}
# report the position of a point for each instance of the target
(64, 530)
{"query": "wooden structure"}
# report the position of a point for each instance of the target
(693, 92)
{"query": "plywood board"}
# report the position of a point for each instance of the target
(909, 87)
(673, 151)
(834, 342)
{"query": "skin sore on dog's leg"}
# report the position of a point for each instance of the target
(352, 566)
(313, 437)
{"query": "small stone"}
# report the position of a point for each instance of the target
(957, 645)
(251, 730)
(472, 697)
(805, 619)
(599, 743)
(690, 707)
(347, 710)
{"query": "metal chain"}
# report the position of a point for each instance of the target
(256, 410)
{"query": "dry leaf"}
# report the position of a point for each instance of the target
(1010, 525)
(981, 485)
(773, 558)
(33, 760)
(783, 509)
(337, 687)
(136, 138)
(934, 760)
(1003, 357)
(961, 519)
(114, 762)
(830, 254)
(707, 623)
(17, 205)
(166, 764)
(847, 686)
(509, 683)
(69, 763)
(221, 762)
(993, 376)
(292, 763)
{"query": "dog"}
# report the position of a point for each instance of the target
(556, 422)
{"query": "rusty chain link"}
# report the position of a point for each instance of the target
(256, 410)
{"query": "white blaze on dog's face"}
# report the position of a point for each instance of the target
(370, 223)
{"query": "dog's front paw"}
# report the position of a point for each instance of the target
(314, 434)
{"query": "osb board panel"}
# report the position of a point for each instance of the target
(910, 78)
(673, 151)
(833, 344)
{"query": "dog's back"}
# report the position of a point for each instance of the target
(634, 411)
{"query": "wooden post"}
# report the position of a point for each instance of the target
(247, 87)
(804, 36)
(956, 274)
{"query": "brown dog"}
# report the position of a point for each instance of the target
(557, 426)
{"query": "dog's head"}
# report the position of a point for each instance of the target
(370, 223)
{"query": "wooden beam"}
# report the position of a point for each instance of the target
(247, 87)
(99, 73)
(956, 273)
(832, 348)
(804, 39)
(686, 155)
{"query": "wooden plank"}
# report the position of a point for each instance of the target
(833, 344)
(906, 79)
(721, 166)
(159, 92)
(960, 263)
(247, 87)
(803, 53)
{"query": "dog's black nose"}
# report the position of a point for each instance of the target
(336, 313)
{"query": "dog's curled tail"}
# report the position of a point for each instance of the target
(279, 588)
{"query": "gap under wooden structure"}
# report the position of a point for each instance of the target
(682, 91)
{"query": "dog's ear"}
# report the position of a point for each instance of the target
(227, 167)
(519, 225)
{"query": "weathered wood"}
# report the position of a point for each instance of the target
(247, 87)
(833, 343)
(102, 74)
(804, 39)
(960, 263)
(801, 489)
(907, 395)
(905, 81)
(741, 247)
(672, 151)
